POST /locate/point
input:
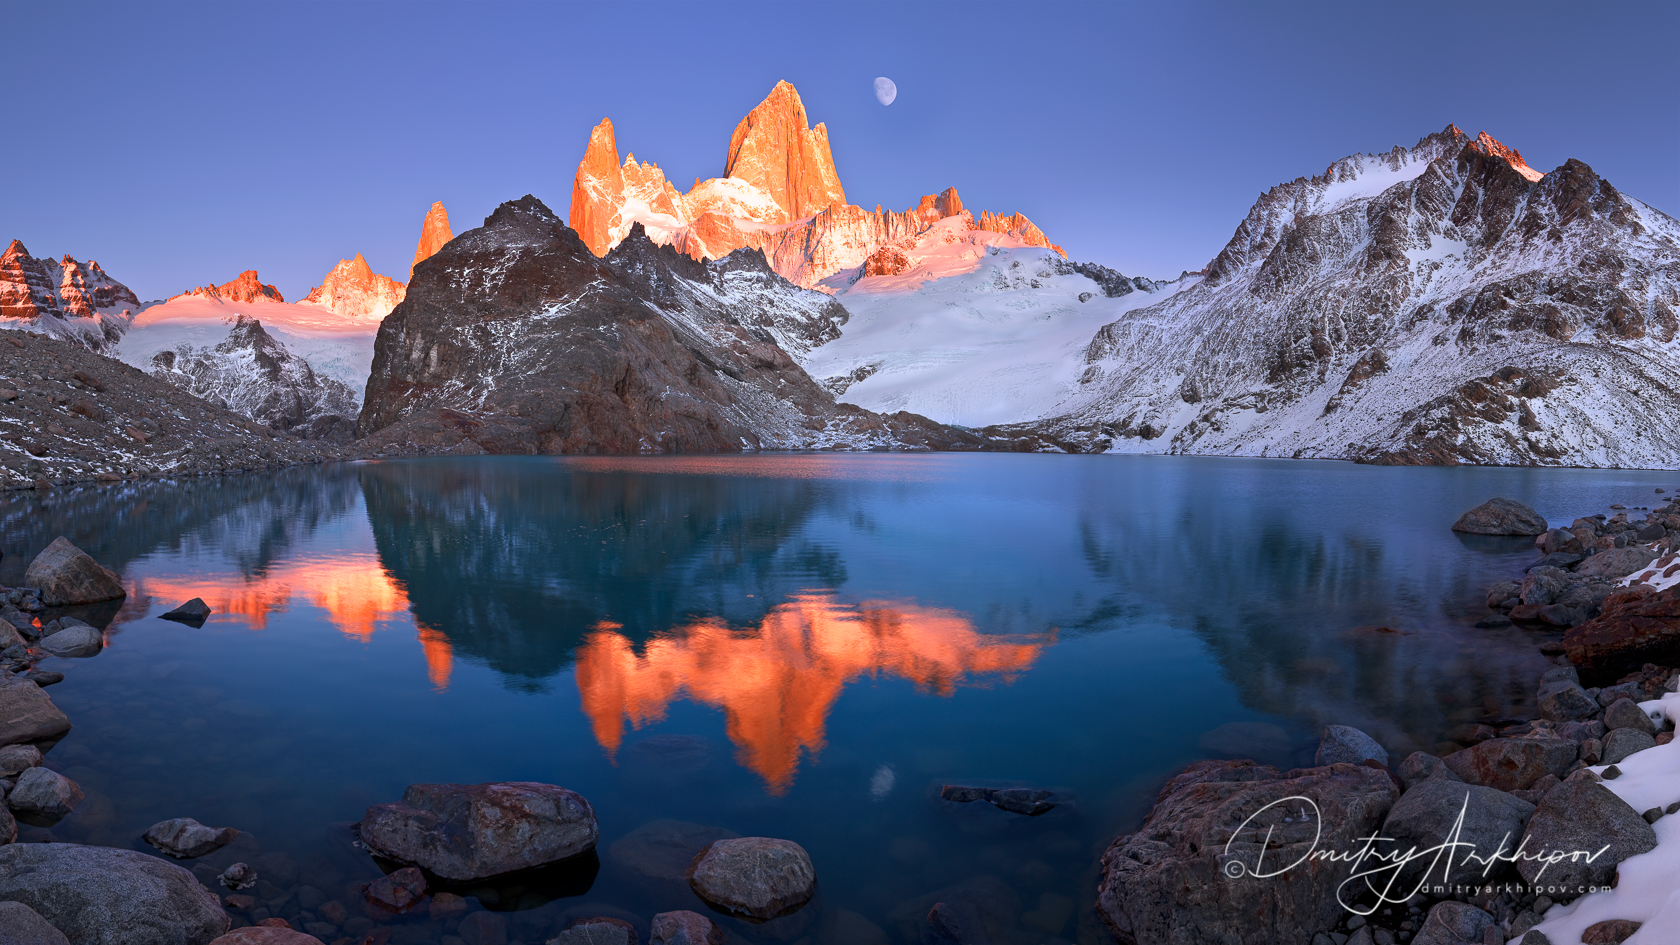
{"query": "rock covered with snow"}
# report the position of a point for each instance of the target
(63, 299)
(252, 373)
(354, 290)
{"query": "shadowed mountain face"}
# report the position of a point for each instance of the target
(515, 338)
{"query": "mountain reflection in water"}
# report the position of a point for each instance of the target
(777, 682)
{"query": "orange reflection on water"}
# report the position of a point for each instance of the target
(776, 682)
(357, 593)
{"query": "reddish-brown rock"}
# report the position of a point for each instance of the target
(775, 149)
(354, 290)
(433, 234)
(246, 288)
(1486, 144)
(30, 287)
(1632, 630)
(889, 260)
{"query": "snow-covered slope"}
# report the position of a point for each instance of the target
(969, 326)
(1439, 304)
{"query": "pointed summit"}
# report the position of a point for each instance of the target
(597, 189)
(247, 288)
(775, 150)
(433, 234)
(354, 290)
(1486, 144)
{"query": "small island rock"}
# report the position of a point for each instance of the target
(475, 831)
(193, 612)
(756, 877)
(1501, 516)
(185, 838)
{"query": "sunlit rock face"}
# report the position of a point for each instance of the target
(777, 681)
(434, 232)
(354, 290)
(247, 288)
(65, 299)
(780, 194)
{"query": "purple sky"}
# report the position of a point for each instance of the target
(179, 144)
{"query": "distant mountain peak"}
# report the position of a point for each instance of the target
(354, 290)
(775, 149)
(248, 287)
(434, 232)
(1486, 144)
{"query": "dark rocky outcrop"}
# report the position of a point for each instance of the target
(466, 832)
(1174, 882)
(1500, 516)
(1632, 631)
(515, 338)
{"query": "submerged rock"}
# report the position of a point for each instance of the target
(597, 930)
(186, 838)
(1028, 801)
(399, 891)
(1184, 876)
(475, 831)
(105, 896)
(1501, 516)
(68, 575)
(756, 877)
(684, 928)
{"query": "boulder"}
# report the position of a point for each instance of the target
(684, 928)
(44, 793)
(1028, 801)
(399, 891)
(185, 838)
(1564, 701)
(21, 925)
(68, 575)
(27, 714)
(1616, 562)
(194, 612)
(1343, 743)
(1576, 819)
(597, 930)
(1427, 814)
(1511, 764)
(1625, 713)
(1632, 631)
(266, 935)
(16, 759)
(1610, 932)
(78, 641)
(105, 896)
(755, 877)
(1623, 742)
(1188, 875)
(466, 832)
(8, 823)
(1422, 766)
(9, 636)
(1450, 923)
(1501, 517)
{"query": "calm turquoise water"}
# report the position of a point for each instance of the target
(798, 646)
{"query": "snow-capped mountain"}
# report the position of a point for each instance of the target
(353, 289)
(248, 287)
(64, 299)
(1438, 304)
(251, 373)
(516, 338)
(780, 193)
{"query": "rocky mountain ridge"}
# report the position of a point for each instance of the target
(64, 299)
(354, 290)
(248, 287)
(780, 194)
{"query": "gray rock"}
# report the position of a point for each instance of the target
(596, 930)
(8, 826)
(1421, 766)
(684, 928)
(105, 896)
(1543, 585)
(1610, 694)
(186, 838)
(1451, 923)
(9, 636)
(1343, 743)
(1564, 701)
(79, 642)
(1576, 819)
(68, 575)
(760, 877)
(1623, 742)
(1561, 674)
(1625, 713)
(27, 714)
(1427, 814)
(1616, 562)
(1580, 731)
(44, 793)
(1501, 516)
(21, 925)
(16, 759)
(1174, 880)
(1512, 764)
(475, 831)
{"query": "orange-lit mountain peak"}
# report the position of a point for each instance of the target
(777, 682)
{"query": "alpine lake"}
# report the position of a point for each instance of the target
(803, 646)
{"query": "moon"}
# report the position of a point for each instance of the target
(885, 90)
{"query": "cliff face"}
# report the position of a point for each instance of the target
(780, 194)
(252, 374)
(354, 290)
(64, 299)
(1439, 304)
(434, 232)
(518, 339)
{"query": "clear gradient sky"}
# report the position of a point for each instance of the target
(181, 143)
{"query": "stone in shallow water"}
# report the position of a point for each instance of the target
(477, 831)
(44, 793)
(399, 891)
(68, 575)
(27, 714)
(16, 759)
(76, 642)
(1344, 743)
(105, 896)
(684, 928)
(185, 838)
(758, 877)
(597, 930)
(193, 612)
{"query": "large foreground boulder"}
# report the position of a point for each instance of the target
(1513, 764)
(21, 925)
(27, 713)
(1501, 517)
(105, 896)
(1188, 876)
(467, 832)
(1631, 632)
(1577, 819)
(68, 575)
(1432, 812)
(756, 877)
